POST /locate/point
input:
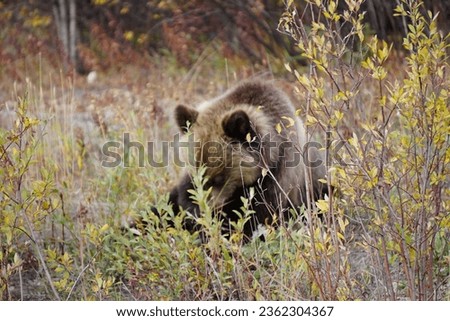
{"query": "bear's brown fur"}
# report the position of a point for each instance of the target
(249, 138)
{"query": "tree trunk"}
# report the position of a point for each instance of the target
(65, 18)
(73, 32)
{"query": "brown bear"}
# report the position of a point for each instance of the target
(247, 139)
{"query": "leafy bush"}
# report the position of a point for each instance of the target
(27, 198)
(388, 130)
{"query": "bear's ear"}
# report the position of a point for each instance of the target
(185, 117)
(237, 125)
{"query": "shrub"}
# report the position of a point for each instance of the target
(387, 130)
(27, 198)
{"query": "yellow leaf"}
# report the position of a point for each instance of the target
(278, 128)
(338, 114)
(310, 120)
(264, 172)
(332, 7)
(128, 35)
(290, 120)
(104, 228)
(322, 205)
(288, 68)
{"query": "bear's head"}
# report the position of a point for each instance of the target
(227, 145)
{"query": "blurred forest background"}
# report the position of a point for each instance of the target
(100, 34)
